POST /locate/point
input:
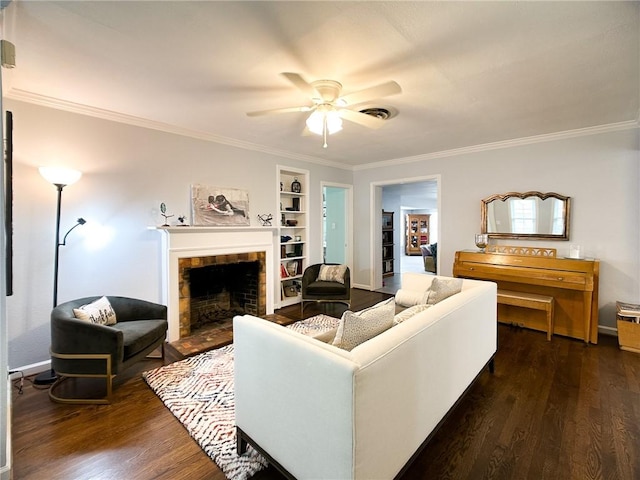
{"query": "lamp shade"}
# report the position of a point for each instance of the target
(60, 175)
(315, 122)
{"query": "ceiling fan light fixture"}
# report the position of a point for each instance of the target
(316, 121)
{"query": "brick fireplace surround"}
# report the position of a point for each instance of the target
(184, 248)
(185, 265)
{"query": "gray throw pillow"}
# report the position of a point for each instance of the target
(332, 273)
(442, 288)
(358, 327)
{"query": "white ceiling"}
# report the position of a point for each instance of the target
(472, 73)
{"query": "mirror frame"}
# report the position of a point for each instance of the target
(543, 196)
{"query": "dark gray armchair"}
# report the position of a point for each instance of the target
(430, 257)
(314, 290)
(83, 349)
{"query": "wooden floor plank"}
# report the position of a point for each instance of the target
(559, 409)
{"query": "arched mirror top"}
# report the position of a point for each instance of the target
(526, 215)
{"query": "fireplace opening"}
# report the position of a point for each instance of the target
(219, 292)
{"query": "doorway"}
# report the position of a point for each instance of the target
(419, 195)
(336, 223)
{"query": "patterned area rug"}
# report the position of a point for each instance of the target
(199, 392)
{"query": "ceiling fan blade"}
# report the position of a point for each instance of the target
(302, 85)
(361, 118)
(280, 110)
(379, 91)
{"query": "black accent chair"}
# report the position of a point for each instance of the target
(314, 290)
(83, 349)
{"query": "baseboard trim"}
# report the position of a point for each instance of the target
(603, 329)
(31, 369)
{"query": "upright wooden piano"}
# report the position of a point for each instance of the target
(573, 284)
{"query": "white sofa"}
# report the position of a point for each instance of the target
(320, 412)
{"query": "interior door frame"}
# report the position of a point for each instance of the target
(375, 238)
(348, 253)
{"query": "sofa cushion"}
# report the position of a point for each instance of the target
(99, 311)
(325, 288)
(409, 312)
(358, 327)
(139, 334)
(442, 288)
(332, 273)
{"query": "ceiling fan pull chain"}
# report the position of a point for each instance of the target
(324, 130)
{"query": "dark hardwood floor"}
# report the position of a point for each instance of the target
(552, 410)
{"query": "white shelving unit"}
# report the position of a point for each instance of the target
(293, 207)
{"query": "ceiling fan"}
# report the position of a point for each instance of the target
(329, 108)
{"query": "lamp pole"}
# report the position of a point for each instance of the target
(59, 186)
(60, 178)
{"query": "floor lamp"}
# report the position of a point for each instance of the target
(60, 178)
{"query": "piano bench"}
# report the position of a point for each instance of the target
(529, 300)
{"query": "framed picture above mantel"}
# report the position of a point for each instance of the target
(216, 206)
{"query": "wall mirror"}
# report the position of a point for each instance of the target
(526, 215)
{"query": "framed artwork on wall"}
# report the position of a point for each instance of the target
(215, 206)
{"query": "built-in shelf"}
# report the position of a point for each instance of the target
(293, 253)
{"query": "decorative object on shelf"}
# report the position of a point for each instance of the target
(292, 268)
(295, 204)
(284, 238)
(265, 219)
(296, 186)
(219, 206)
(290, 291)
(298, 238)
(281, 187)
(482, 240)
(163, 212)
(182, 219)
(292, 223)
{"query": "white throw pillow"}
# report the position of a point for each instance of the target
(442, 288)
(409, 298)
(100, 312)
(409, 312)
(332, 273)
(356, 328)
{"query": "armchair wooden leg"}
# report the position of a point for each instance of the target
(241, 443)
(160, 356)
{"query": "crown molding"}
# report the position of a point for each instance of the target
(518, 142)
(56, 103)
(51, 102)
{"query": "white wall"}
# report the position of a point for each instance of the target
(128, 171)
(600, 172)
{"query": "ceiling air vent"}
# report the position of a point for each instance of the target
(383, 113)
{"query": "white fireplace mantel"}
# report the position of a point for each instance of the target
(187, 242)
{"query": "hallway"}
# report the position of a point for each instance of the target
(413, 263)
